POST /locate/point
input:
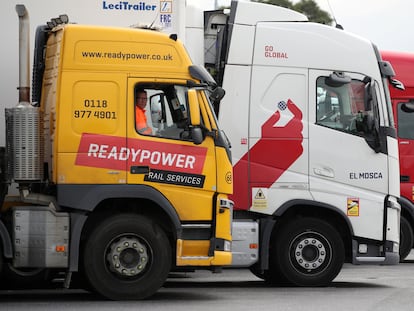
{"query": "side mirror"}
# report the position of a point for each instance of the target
(195, 119)
(197, 135)
(365, 123)
(194, 108)
(368, 95)
(367, 98)
(157, 107)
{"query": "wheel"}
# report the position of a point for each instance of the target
(127, 257)
(271, 276)
(306, 252)
(406, 238)
(22, 278)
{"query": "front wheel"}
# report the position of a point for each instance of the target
(306, 252)
(127, 257)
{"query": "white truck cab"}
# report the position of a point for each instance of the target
(314, 147)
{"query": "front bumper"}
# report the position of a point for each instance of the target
(374, 254)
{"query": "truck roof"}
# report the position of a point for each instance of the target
(250, 13)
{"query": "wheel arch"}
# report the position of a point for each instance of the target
(92, 203)
(407, 210)
(5, 241)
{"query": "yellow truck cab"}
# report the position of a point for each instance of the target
(124, 206)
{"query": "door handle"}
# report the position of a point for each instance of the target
(139, 169)
(324, 171)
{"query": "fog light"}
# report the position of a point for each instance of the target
(363, 248)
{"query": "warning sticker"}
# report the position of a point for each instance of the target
(259, 198)
(352, 207)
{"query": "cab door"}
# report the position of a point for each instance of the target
(168, 159)
(90, 133)
(344, 170)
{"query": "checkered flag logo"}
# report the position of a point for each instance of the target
(284, 115)
(282, 105)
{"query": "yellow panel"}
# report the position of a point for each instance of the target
(195, 248)
(125, 53)
(89, 105)
(220, 258)
(110, 48)
(197, 205)
(95, 107)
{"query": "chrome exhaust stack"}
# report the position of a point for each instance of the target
(24, 54)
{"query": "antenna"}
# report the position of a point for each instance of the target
(155, 18)
(150, 26)
(333, 16)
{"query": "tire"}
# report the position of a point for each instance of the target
(127, 257)
(257, 272)
(1, 262)
(406, 238)
(306, 252)
(22, 278)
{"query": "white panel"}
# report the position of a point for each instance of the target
(311, 45)
(271, 85)
(241, 45)
(234, 108)
(370, 207)
(278, 128)
(393, 167)
(196, 48)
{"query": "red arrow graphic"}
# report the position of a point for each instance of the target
(276, 150)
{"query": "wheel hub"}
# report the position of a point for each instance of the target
(127, 256)
(310, 253)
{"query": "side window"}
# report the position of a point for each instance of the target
(340, 106)
(161, 110)
(405, 122)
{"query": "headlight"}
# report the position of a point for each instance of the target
(227, 246)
